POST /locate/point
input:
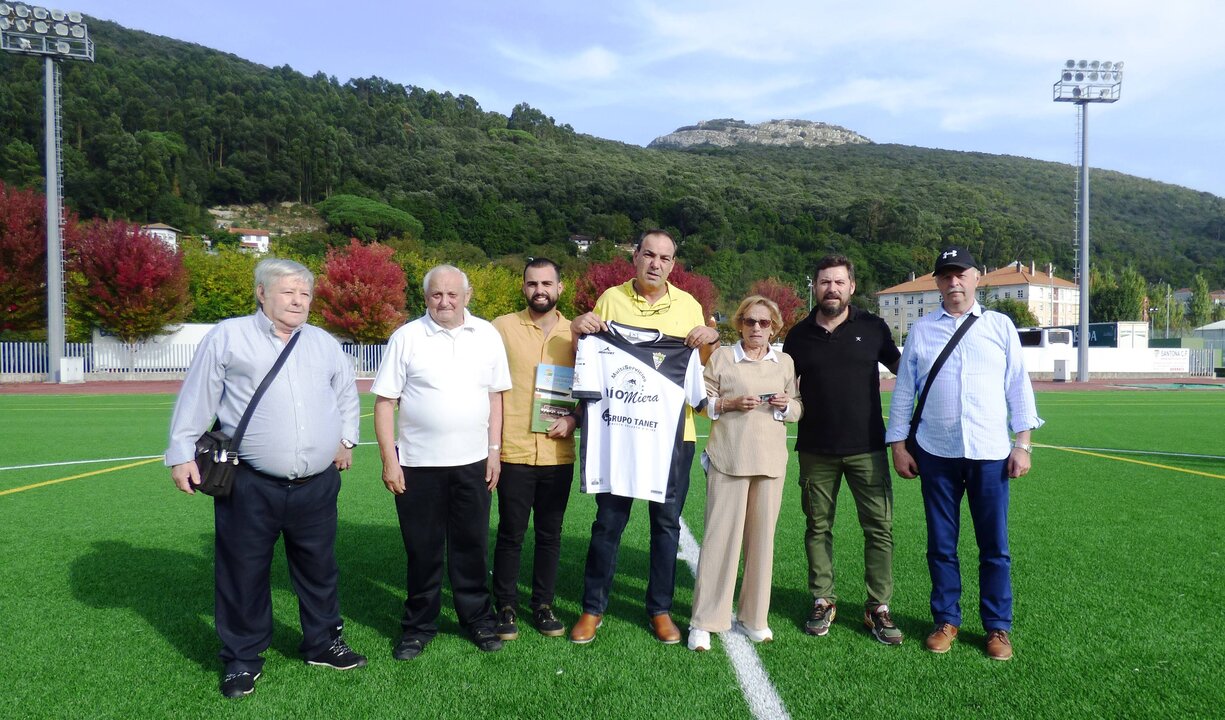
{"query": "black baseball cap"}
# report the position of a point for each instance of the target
(954, 256)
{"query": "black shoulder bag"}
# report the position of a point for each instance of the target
(912, 444)
(217, 453)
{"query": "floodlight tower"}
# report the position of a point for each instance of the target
(1083, 82)
(52, 35)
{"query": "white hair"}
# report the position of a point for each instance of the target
(425, 283)
(270, 270)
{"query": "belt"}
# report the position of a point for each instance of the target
(301, 480)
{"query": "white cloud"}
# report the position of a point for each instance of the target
(592, 63)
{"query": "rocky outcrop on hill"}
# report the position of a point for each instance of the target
(789, 133)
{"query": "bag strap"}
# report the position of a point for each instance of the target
(917, 415)
(259, 392)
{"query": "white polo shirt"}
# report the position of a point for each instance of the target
(442, 379)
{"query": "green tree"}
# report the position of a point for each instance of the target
(1120, 299)
(1199, 310)
(222, 283)
(19, 164)
(1016, 311)
(367, 219)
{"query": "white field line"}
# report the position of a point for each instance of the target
(66, 463)
(79, 462)
(1157, 453)
(759, 692)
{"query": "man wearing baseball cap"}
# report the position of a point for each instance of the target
(973, 437)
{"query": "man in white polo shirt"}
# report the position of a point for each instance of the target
(445, 371)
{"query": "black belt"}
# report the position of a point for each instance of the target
(302, 480)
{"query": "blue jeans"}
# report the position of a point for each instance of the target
(985, 484)
(611, 516)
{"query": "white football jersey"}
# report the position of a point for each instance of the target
(636, 383)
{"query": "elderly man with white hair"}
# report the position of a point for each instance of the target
(300, 435)
(445, 371)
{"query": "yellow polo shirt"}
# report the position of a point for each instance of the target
(675, 314)
(526, 347)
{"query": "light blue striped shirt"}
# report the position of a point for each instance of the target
(980, 394)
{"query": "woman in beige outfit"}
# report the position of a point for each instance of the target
(751, 393)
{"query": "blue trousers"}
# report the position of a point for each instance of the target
(259, 510)
(611, 516)
(985, 484)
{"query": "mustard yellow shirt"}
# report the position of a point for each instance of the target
(526, 347)
(675, 314)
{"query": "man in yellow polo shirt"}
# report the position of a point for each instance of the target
(537, 468)
(648, 300)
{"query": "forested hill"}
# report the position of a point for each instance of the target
(157, 130)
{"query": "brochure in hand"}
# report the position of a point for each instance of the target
(552, 398)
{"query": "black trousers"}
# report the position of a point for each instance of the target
(523, 489)
(445, 510)
(259, 510)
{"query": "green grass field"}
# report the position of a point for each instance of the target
(106, 591)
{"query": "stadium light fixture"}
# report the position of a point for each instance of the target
(53, 35)
(1083, 82)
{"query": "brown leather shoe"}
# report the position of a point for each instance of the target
(666, 631)
(583, 631)
(999, 647)
(941, 638)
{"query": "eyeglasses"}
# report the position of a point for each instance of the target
(653, 309)
(750, 322)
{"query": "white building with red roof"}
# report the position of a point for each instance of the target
(1052, 299)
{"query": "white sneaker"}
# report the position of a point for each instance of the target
(758, 636)
(699, 640)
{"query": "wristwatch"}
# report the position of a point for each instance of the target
(1023, 446)
(346, 444)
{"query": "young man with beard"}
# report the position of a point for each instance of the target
(537, 468)
(836, 350)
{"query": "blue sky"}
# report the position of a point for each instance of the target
(954, 74)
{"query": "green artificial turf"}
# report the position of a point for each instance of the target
(106, 591)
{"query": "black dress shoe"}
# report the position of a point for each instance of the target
(486, 640)
(408, 648)
(238, 684)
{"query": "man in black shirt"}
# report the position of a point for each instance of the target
(836, 350)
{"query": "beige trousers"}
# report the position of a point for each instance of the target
(741, 511)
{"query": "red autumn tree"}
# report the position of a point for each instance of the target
(598, 278)
(601, 276)
(23, 259)
(360, 292)
(699, 286)
(790, 305)
(130, 284)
